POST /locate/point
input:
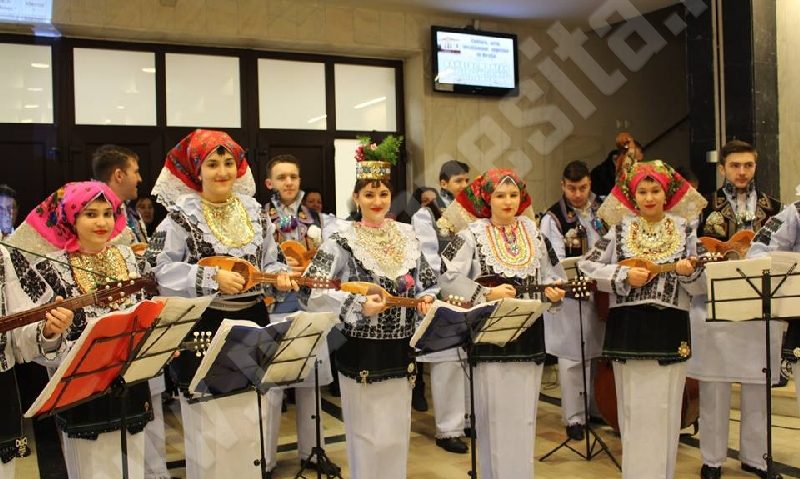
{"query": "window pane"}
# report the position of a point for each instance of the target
(203, 90)
(345, 167)
(26, 83)
(291, 94)
(365, 98)
(114, 87)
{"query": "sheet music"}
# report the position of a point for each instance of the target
(732, 298)
(453, 330)
(298, 348)
(95, 359)
(729, 296)
(213, 351)
(509, 320)
(570, 266)
(172, 325)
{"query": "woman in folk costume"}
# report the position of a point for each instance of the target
(75, 227)
(501, 241)
(26, 343)
(207, 187)
(375, 366)
(647, 334)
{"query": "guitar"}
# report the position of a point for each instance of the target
(106, 295)
(734, 248)
(298, 252)
(655, 268)
(252, 276)
(364, 288)
(576, 288)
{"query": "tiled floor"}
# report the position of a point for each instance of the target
(430, 462)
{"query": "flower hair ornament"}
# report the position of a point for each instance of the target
(181, 172)
(374, 161)
(681, 199)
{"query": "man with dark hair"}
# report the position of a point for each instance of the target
(453, 177)
(573, 227)
(724, 353)
(8, 210)
(118, 167)
(293, 222)
(447, 378)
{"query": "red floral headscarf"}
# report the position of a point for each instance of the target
(185, 158)
(54, 219)
(674, 185)
(477, 196)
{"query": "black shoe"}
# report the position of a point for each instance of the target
(418, 401)
(325, 467)
(468, 431)
(452, 444)
(575, 432)
(760, 472)
(708, 472)
(333, 390)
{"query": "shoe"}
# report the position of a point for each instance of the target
(467, 431)
(760, 472)
(333, 390)
(325, 467)
(709, 472)
(575, 432)
(418, 401)
(452, 444)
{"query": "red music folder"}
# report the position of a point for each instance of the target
(96, 358)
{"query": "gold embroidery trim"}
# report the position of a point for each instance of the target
(93, 270)
(385, 244)
(229, 222)
(654, 241)
(684, 350)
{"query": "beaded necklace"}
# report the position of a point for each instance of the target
(228, 222)
(510, 244)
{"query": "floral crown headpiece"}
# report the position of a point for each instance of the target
(375, 161)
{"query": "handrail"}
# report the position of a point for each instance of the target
(666, 132)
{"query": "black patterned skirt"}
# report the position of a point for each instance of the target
(647, 332)
(371, 360)
(11, 438)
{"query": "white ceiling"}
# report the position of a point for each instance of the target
(572, 10)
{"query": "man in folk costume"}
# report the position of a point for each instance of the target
(572, 226)
(649, 211)
(494, 236)
(727, 353)
(118, 167)
(447, 375)
(26, 343)
(207, 187)
(782, 233)
(293, 222)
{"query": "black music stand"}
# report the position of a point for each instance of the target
(570, 266)
(109, 358)
(742, 291)
(244, 357)
(497, 322)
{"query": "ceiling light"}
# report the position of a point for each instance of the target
(149, 69)
(40, 65)
(317, 118)
(31, 88)
(31, 106)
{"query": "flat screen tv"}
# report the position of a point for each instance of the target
(474, 62)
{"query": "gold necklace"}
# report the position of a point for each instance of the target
(384, 244)
(91, 270)
(656, 242)
(228, 222)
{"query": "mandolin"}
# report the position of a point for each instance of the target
(106, 295)
(734, 248)
(364, 288)
(298, 252)
(656, 268)
(577, 288)
(252, 276)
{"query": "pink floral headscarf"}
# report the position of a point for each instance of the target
(54, 218)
